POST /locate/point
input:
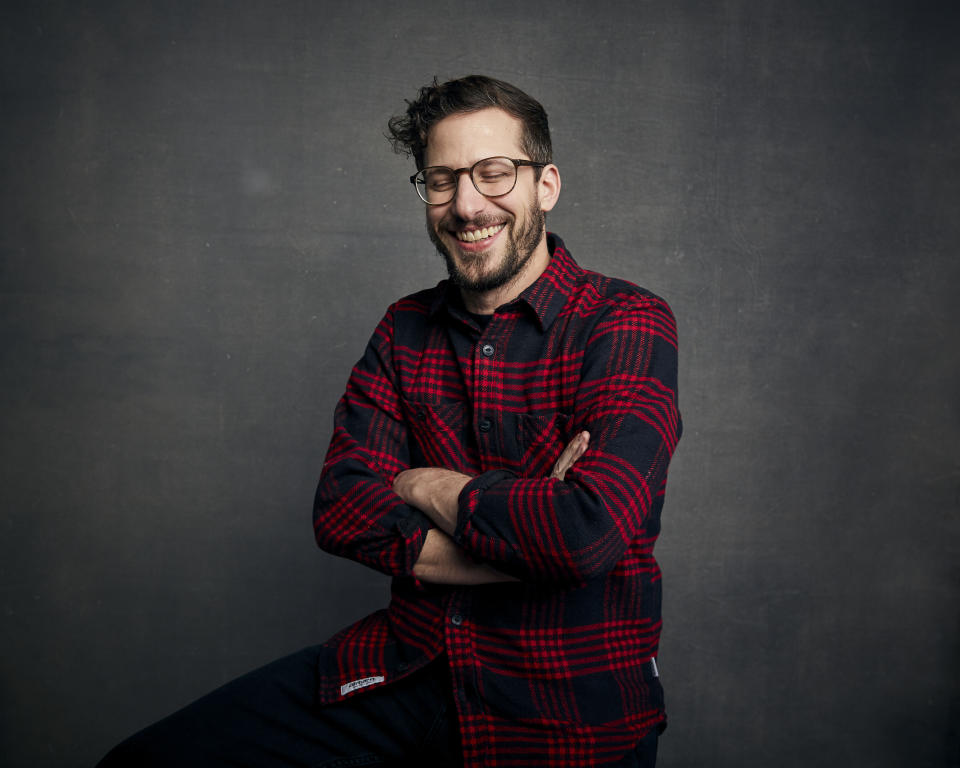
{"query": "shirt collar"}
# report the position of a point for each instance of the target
(550, 292)
(546, 296)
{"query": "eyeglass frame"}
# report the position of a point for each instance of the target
(517, 163)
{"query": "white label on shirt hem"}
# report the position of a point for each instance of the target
(362, 683)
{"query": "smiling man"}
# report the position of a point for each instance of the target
(491, 235)
(501, 451)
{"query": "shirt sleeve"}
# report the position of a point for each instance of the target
(356, 513)
(567, 532)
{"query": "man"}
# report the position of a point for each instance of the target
(501, 450)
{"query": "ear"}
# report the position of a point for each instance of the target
(548, 188)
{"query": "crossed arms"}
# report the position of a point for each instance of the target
(376, 506)
(435, 492)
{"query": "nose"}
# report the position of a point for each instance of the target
(468, 202)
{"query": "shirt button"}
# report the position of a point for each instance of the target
(485, 425)
(487, 350)
(456, 619)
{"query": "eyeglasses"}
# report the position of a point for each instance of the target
(492, 177)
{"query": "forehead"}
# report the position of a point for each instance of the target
(460, 140)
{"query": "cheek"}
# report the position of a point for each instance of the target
(434, 217)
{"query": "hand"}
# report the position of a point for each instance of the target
(574, 450)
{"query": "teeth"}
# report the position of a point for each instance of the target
(473, 235)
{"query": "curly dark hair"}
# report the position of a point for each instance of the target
(408, 132)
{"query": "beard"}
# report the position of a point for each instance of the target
(520, 246)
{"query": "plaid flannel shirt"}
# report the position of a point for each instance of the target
(550, 670)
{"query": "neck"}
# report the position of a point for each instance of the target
(486, 302)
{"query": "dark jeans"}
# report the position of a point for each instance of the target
(270, 717)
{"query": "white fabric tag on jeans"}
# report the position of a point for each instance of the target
(362, 683)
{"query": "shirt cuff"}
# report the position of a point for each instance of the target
(472, 493)
(413, 527)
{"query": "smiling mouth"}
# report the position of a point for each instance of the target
(476, 235)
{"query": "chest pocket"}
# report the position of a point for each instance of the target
(441, 436)
(437, 434)
(541, 438)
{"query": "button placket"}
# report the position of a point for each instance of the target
(460, 647)
(487, 351)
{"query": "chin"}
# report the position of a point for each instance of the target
(495, 270)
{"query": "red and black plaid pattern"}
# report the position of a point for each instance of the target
(550, 670)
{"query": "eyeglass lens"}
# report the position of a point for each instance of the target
(492, 177)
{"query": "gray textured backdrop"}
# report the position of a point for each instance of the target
(201, 223)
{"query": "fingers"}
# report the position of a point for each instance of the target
(574, 450)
